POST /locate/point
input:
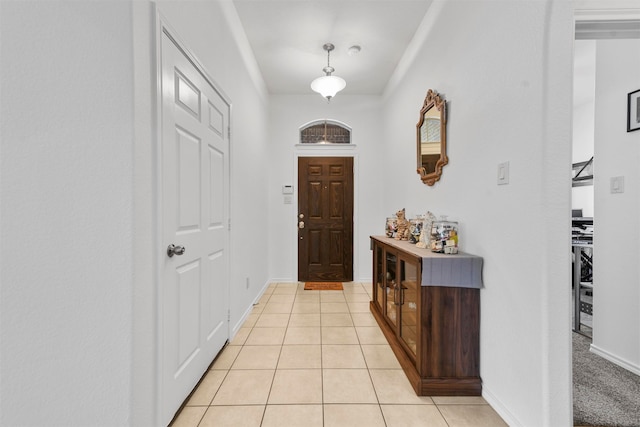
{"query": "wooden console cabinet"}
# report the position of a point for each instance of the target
(428, 306)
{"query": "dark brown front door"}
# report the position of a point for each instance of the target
(325, 219)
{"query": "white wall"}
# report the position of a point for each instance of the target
(77, 226)
(65, 227)
(287, 114)
(509, 99)
(616, 328)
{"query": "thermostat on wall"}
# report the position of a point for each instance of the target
(287, 189)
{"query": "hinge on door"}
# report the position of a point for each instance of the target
(229, 315)
(229, 132)
(229, 225)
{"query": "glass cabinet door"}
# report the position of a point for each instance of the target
(408, 300)
(379, 277)
(391, 287)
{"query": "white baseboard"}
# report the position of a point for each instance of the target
(284, 280)
(234, 330)
(500, 408)
(615, 359)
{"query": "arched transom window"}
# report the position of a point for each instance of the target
(325, 132)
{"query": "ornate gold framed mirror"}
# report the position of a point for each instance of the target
(431, 137)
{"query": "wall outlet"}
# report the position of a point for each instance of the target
(247, 280)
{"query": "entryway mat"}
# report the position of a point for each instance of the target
(323, 286)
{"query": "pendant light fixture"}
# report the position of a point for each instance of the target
(328, 85)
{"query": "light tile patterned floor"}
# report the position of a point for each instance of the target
(318, 358)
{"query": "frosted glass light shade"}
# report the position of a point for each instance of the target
(328, 86)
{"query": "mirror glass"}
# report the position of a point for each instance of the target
(431, 138)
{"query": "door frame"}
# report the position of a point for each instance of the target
(326, 150)
(163, 27)
(603, 17)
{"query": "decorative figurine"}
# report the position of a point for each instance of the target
(402, 232)
(425, 233)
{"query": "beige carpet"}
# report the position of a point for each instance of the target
(604, 394)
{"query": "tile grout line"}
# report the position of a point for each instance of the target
(375, 391)
(275, 370)
(321, 361)
(210, 405)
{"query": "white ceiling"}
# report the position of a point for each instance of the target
(287, 38)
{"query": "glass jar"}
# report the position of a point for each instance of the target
(391, 227)
(444, 236)
(415, 228)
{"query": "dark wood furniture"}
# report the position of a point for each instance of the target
(428, 307)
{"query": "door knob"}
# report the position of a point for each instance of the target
(175, 250)
(301, 224)
(301, 216)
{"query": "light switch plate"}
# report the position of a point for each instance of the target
(503, 173)
(617, 184)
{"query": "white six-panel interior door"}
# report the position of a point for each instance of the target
(194, 191)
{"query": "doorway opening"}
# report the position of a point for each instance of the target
(602, 79)
(325, 219)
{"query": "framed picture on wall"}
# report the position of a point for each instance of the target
(633, 111)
